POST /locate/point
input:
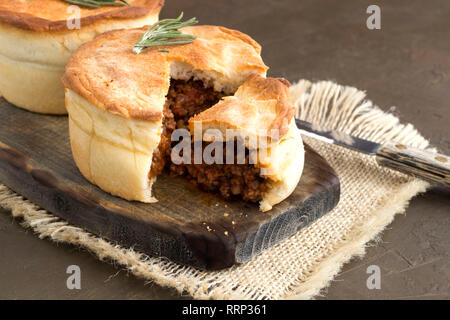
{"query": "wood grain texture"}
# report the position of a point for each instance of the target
(186, 225)
(433, 167)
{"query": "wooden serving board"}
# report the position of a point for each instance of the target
(186, 225)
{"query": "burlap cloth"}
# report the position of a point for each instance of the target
(298, 267)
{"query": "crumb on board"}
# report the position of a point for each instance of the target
(225, 233)
(225, 214)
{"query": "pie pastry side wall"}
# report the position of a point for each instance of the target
(112, 152)
(284, 166)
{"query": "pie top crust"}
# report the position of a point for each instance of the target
(109, 75)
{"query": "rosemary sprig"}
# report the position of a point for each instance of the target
(99, 3)
(165, 33)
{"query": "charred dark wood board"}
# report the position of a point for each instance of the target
(186, 225)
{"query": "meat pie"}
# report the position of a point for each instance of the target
(37, 38)
(123, 108)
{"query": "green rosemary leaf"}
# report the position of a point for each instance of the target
(165, 33)
(98, 3)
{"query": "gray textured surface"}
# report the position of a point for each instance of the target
(406, 64)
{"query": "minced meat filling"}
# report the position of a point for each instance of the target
(162, 153)
(188, 98)
(184, 100)
(226, 179)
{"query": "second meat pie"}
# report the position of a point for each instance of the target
(37, 38)
(123, 108)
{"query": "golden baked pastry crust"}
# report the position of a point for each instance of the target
(259, 107)
(145, 78)
(52, 15)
